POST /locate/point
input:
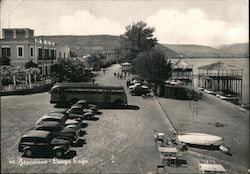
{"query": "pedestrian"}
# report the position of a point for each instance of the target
(118, 75)
(114, 73)
(103, 71)
(93, 80)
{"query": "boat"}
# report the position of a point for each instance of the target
(200, 139)
(201, 89)
(210, 92)
(229, 97)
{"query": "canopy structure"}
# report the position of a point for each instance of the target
(182, 71)
(182, 65)
(221, 77)
(218, 66)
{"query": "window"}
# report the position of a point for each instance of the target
(40, 53)
(6, 51)
(31, 51)
(46, 54)
(20, 51)
(63, 55)
(52, 54)
(60, 54)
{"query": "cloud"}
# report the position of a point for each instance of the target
(85, 23)
(194, 27)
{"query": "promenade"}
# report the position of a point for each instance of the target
(213, 116)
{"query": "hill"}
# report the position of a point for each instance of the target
(192, 51)
(84, 45)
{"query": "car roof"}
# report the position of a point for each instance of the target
(55, 114)
(48, 116)
(50, 124)
(58, 110)
(82, 101)
(37, 133)
(75, 106)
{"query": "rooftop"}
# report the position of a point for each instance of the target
(182, 65)
(217, 66)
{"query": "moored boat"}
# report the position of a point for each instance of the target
(200, 139)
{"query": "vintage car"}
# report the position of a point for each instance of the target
(140, 90)
(36, 141)
(61, 118)
(77, 109)
(87, 105)
(58, 130)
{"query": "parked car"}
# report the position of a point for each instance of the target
(36, 141)
(87, 105)
(140, 90)
(86, 113)
(61, 118)
(67, 112)
(58, 130)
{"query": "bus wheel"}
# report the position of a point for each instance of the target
(118, 103)
(73, 101)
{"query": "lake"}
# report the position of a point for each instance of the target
(237, 62)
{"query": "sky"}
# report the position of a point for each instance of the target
(203, 22)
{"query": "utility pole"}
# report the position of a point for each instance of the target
(42, 58)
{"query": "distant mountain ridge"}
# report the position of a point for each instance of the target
(84, 45)
(200, 51)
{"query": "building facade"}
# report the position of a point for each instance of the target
(21, 46)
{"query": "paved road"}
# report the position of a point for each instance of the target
(121, 140)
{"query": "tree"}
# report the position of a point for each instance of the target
(95, 61)
(73, 70)
(137, 38)
(153, 65)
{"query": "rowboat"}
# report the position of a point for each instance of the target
(200, 139)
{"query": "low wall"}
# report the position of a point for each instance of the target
(35, 89)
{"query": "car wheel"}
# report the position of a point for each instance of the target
(59, 154)
(28, 152)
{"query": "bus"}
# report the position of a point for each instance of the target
(70, 93)
(125, 67)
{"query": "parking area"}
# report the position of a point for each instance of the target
(117, 141)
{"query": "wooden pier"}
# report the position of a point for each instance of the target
(221, 78)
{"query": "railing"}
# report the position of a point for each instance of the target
(25, 86)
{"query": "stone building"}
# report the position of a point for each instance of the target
(21, 46)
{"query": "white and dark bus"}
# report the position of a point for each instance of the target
(69, 93)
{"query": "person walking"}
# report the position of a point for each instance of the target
(93, 80)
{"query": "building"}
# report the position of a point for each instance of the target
(183, 72)
(21, 46)
(221, 78)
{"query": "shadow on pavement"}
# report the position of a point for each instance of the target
(132, 107)
(79, 143)
(92, 119)
(84, 125)
(82, 133)
(98, 113)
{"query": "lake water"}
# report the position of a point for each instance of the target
(237, 62)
